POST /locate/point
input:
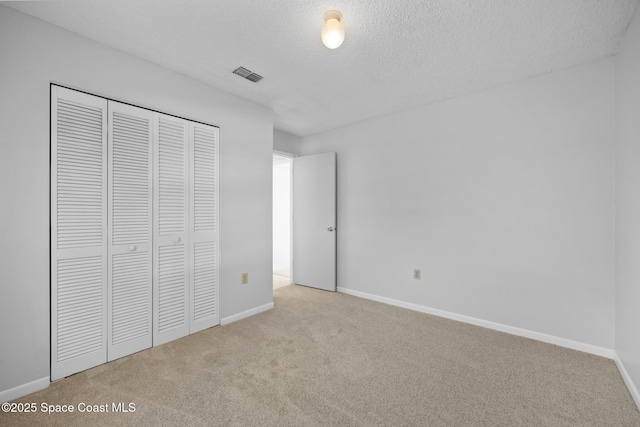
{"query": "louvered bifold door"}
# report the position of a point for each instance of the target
(204, 283)
(170, 238)
(130, 230)
(78, 232)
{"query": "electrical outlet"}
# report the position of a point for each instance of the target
(417, 274)
(245, 278)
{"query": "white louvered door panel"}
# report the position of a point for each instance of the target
(130, 327)
(204, 161)
(78, 231)
(170, 238)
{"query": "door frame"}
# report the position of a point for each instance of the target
(290, 156)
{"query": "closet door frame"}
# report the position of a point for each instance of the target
(206, 264)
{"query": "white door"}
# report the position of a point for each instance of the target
(314, 221)
(171, 229)
(129, 231)
(78, 232)
(134, 229)
(203, 225)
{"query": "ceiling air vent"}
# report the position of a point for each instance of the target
(247, 74)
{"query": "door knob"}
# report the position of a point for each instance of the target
(176, 240)
(331, 228)
(132, 248)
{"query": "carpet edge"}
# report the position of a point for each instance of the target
(627, 380)
(526, 333)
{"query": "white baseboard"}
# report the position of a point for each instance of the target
(245, 314)
(562, 342)
(627, 380)
(24, 389)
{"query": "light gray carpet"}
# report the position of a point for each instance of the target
(322, 358)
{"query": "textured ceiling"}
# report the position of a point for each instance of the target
(396, 55)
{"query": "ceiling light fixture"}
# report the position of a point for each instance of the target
(333, 29)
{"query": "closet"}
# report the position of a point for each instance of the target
(134, 229)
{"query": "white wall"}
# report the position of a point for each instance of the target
(33, 54)
(286, 142)
(504, 198)
(281, 213)
(628, 205)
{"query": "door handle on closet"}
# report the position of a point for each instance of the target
(176, 240)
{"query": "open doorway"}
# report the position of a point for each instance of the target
(282, 167)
